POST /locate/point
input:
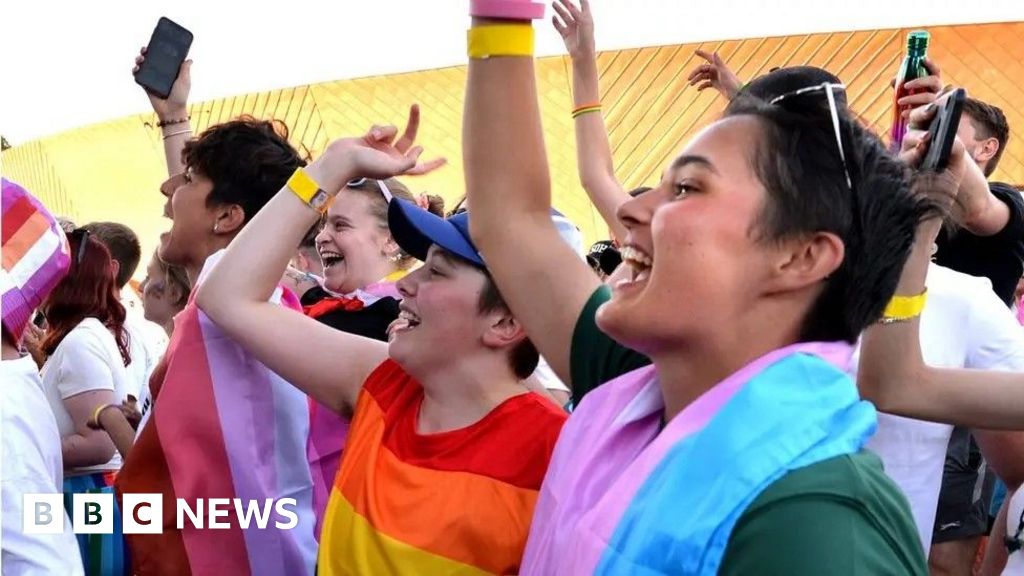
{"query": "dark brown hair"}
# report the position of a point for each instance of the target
(524, 356)
(247, 160)
(123, 245)
(989, 122)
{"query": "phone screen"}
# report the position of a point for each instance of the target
(167, 49)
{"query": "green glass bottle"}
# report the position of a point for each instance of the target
(911, 68)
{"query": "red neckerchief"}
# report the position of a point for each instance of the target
(332, 303)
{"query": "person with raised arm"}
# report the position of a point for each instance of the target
(172, 115)
(894, 376)
(593, 150)
(447, 448)
(892, 353)
(714, 73)
(748, 278)
(221, 424)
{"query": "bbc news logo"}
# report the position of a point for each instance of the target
(144, 513)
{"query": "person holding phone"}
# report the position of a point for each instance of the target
(216, 409)
(172, 114)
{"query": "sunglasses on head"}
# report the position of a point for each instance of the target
(359, 182)
(829, 89)
(82, 236)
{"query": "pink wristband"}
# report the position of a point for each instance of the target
(507, 9)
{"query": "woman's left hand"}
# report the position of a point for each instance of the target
(378, 154)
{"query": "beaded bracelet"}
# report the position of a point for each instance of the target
(172, 121)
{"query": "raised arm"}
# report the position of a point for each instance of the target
(172, 114)
(325, 363)
(714, 73)
(544, 282)
(892, 371)
(977, 209)
(593, 150)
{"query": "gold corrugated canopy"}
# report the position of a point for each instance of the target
(112, 170)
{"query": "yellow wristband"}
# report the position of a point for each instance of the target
(500, 40)
(96, 414)
(903, 307)
(309, 191)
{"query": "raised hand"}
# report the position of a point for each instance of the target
(941, 188)
(32, 340)
(377, 154)
(175, 106)
(714, 74)
(927, 88)
(576, 27)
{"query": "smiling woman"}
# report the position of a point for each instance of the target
(775, 237)
(362, 262)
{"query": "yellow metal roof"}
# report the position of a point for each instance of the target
(112, 170)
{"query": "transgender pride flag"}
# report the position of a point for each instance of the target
(222, 426)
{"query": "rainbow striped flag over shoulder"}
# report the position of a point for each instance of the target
(222, 425)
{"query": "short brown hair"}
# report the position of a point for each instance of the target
(524, 356)
(123, 245)
(989, 122)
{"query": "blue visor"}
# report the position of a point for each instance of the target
(415, 230)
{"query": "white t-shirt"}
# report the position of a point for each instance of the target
(964, 325)
(547, 377)
(146, 343)
(31, 463)
(87, 359)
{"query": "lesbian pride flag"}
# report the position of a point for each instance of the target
(222, 426)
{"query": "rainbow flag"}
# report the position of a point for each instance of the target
(457, 502)
(222, 425)
(328, 430)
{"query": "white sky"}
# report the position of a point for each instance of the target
(67, 63)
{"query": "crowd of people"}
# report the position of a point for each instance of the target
(796, 353)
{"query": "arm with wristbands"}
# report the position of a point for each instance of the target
(509, 188)
(111, 419)
(892, 371)
(593, 150)
(236, 293)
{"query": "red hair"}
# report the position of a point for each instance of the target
(88, 291)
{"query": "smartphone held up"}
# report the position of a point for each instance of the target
(167, 49)
(942, 131)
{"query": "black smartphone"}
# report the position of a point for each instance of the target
(167, 49)
(943, 130)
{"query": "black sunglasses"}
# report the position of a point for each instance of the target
(82, 235)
